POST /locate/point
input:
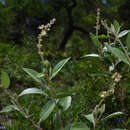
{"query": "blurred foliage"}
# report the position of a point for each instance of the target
(14, 58)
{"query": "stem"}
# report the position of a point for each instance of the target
(54, 99)
(23, 112)
(35, 125)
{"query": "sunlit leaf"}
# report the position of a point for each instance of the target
(123, 33)
(9, 108)
(79, 126)
(59, 66)
(65, 102)
(91, 55)
(5, 81)
(46, 111)
(113, 115)
(32, 91)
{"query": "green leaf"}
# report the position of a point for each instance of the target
(128, 120)
(102, 36)
(90, 117)
(65, 102)
(33, 74)
(125, 83)
(79, 126)
(117, 26)
(123, 33)
(56, 120)
(5, 81)
(100, 74)
(9, 108)
(59, 66)
(46, 111)
(95, 40)
(32, 91)
(128, 41)
(113, 115)
(118, 53)
(91, 55)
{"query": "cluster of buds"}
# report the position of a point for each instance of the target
(104, 23)
(97, 27)
(47, 26)
(111, 29)
(44, 29)
(107, 93)
(116, 77)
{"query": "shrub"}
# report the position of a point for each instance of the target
(113, 73)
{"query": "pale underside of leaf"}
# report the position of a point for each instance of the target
(91, 55)
(113, 115)
(123, 33)
(9, 108)
(90, 117)
(32, 91)
(65, 102)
